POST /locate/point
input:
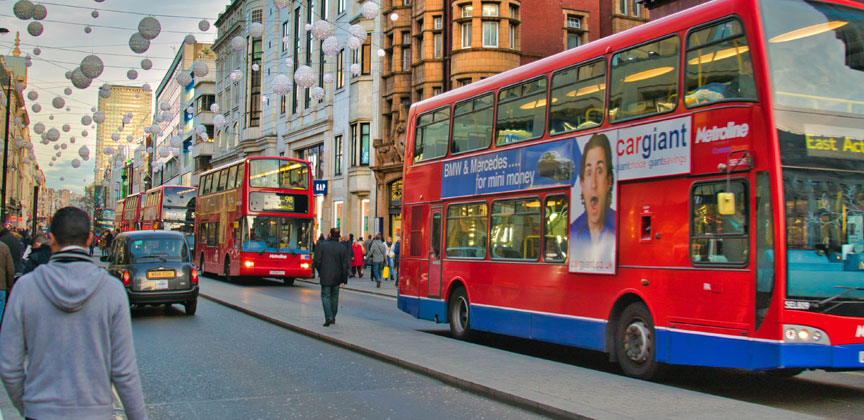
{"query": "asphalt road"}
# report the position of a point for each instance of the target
(222, 364)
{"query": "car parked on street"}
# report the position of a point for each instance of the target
(155, 267)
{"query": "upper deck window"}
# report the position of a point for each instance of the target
(521, 112)
(277, 173)
(644, 80)
(472, 124)
(578, 96)
(433, 134)
(718, 65)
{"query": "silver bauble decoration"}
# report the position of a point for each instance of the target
(32, 95)
(328, 78)
(130, 139)
(355, 69)
(115, 136)
(98, 117)
(214, 107)
(138, 44)
(88, 29)
(331, 46)
(204, 25)
(235, 75)
(164, 106)
(63, 146)
(66, 128)
(146, 64)
(145, 87)
(52, 134)
(108, 150)
(354, 43)
(256, 67)
(370, 10)
(35, 29)
(256, 29)
(38, 128)
(322, 30)
(305, 76)
(83, 152)
(149, 27)
(238, 43)
(69, 75)
(23, 9)
(132, 74)
(67, 92)
(58, 102)
(75, 163)
(37, 51)
(79, 80)
(189, 40)
(39, 12)
(317, 93)
(281, 85)
(200, 69)
(219, 121)
(183, 78)
(36, 108)
(164, 152)
(167, 116)
(358, 31)
(92, 66)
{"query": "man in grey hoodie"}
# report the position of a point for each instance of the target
(67, 334)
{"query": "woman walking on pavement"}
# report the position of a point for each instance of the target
(357, 259)
(378, 253)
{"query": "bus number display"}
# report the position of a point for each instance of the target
(277, 202)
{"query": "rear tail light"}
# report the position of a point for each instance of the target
(127, 279)
(304, 265)
(194, 276)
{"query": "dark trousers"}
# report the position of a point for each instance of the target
(330, 301)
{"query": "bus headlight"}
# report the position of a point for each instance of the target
(802, 334)
(248, 264)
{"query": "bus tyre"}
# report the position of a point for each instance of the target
(636, 342)
(784, 373)
(227, 270)
(289, 281)
(191, 307)
(459, 315)
(201, 264)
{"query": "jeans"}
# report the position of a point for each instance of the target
(2, 303)
(376, 270)
(330, 300)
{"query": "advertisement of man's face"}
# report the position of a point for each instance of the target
(593, 220)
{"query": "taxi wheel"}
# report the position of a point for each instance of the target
(191, 307)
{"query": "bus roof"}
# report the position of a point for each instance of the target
(249, 158)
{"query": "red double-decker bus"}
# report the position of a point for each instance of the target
(254, 218)
(688, 192)
(131, 219)
(169, 207)
(118, 214)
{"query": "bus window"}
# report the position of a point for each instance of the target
(433, 135)
(208, 183)
(201, 184)
(232, 177)
(555, 224)
(515, 229)
(241, 173)
(521, 112)
(644, 80)
(223, 179)
(716, 238)
(466, 230)
(276, 173)
(472, 124)
(578, 96)
(718, 65)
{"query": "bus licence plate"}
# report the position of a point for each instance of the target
(160, 274)
(277, 272)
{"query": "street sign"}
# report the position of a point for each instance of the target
(319, 187)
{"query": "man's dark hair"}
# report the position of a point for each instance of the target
(335, 233)
(597, 140)
(70, 226)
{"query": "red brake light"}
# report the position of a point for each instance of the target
(126, 278)
(194, 276)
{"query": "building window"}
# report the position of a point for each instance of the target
(467, 10)
(258, 15)
(315, 156)
(337, 165)
(367, 56)
(575, 31)
(406, 58)
(419, 95)
(420, 47)
(574, 22)
(283, 104)
(437, 22)
(513, 28)
(490, 34)
(284, 34)
(490, 9)
(438, 41)
(354, 145)
(324, 9)
(254, 107)
(406, 38)
(340, 69)
(360, 144)
(573, 40)
(464, 82)
(340, 6)
(436, 90)
(514, 12)
(406, 2)
(466, 35)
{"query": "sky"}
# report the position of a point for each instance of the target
(63, 45)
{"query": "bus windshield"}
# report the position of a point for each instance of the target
(277, 173)
(178, 205)
(815, 52)
(276, 234)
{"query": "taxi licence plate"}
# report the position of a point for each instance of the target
(161, 274)
(277, 272)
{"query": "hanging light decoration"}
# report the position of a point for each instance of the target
(204, 25)
(200, 69)
(79, 80)
(256, 67)
(23, 9)
(38, 128)
(238, 43)
(235, 75)
(358, 31)
(75, 163)
(214, 107)
(183, 78)
(84, 152)
(146, 64)
(88, 29)
(355, 69)
(115, 136)
(219, 121)
(281, 85)
(67, 92)
(149, 27)
(281, 4)
(138, 44)
(354, 43)
(52, 134)
(64, 146)
(37, 51)
(322, 30)
(92, 66)
(132, 74)
(66, 128)
(370, 10)
(95, 14)
(317, 93)
(32, 95)
(394, 16)
(39, 12)
(256, 30)
(36, 108)
(305, 76)
(35, 28)
(58, 102)
(189, 40)
(99, 117)
(330, 46)
(108, 150)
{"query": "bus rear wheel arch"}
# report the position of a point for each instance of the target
(459, 314)
(227, 269)
(636, 342)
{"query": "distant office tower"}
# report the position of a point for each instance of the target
(123, 100)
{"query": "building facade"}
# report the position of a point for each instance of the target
(121, 101)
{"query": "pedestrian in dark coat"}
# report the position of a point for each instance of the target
(332, 260)
(7, 274)
(40, 254)
(15, 247)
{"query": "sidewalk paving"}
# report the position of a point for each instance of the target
(549, 387)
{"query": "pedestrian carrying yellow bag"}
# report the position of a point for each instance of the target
(385, 272)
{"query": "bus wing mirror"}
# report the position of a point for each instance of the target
(726, 203)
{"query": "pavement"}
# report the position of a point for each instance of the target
(550, 388)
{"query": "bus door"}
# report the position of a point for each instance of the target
(434, 286)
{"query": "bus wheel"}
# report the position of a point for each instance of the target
(289, 281)
(636, 342)
(201, 264)
(227, 272)
(459, 315)
(784, 373)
